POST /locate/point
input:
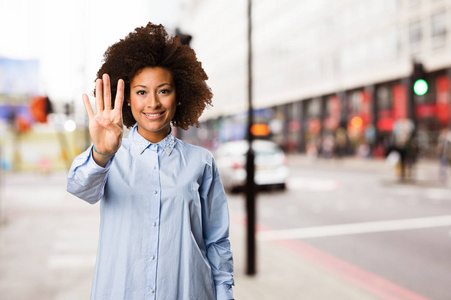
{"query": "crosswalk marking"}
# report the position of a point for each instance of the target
(355, 228)
(312, 184)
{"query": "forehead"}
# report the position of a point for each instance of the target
(152, 75)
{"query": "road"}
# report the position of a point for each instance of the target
(340, 231)
(375, 228)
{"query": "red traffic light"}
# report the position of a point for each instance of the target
(40, 107)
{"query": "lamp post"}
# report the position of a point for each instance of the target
(250, 164)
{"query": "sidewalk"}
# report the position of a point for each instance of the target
(425, 171)
(48, 242)
(284, 275)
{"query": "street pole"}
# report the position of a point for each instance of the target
(250, 165)
(448, 73)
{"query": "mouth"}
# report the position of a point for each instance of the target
(154, 116)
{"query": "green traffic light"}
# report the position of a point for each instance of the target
(420, 87)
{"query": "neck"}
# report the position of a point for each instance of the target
(154, 137)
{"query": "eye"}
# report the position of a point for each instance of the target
(141, 93)
(165, 91)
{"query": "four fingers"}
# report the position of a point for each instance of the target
(103, 104)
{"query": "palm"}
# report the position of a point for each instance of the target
(105, 126)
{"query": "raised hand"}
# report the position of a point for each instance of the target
(105, 126)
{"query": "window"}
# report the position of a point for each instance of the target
(438, 25)
(384, 98)
(415, 32)
(314, 108)
(414, 3)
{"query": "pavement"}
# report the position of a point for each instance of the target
(48, 241)
(424, 173)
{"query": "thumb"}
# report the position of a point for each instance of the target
(108, 125)
(102, 122)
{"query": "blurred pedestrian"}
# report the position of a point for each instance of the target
(412, 151)
(402, 136)
(341, 142)
(164, 216)
(444, 153)
(328, 146)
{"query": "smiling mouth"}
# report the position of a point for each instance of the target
(154, 116)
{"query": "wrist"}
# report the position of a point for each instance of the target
(99, 159)
(100, 153)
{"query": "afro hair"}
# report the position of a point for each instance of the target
(151, 46)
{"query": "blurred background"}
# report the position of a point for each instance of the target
(352, 113)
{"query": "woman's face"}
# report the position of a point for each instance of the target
(152, 101)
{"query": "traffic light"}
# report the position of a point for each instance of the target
(68, 109)
(420, 84)
(185, 39)
(40, 108)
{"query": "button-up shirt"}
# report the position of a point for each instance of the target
(164, 221)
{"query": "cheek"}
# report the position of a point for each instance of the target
(135, 104)
(173, 110)
(171, 104)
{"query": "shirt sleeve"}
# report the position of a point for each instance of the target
(86, 179)
(215, 220)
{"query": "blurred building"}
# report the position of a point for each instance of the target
(27, 140)
(324, 68)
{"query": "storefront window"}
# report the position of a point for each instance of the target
(384, 98)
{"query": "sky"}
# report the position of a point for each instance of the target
(69, 37)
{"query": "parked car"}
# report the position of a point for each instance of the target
(270, 164)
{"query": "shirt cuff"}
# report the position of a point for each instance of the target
(94, 166)
(224, 292)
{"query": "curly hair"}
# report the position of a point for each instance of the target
(151, 46)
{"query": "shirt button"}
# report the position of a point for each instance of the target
(154, 224)
(155, 192)
(152, 257)
(154, 167)
(152, 291)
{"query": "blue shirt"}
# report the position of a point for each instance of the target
(164, 221)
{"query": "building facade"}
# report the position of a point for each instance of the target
(323, 68)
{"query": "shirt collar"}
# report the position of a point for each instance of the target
(167, 144)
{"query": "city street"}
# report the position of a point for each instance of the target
(388, 237)
(340, 93)
(342, 230)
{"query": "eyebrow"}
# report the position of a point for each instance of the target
(143, 86)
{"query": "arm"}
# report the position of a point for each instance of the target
(86, 179)
(215, 220)
(88, 173)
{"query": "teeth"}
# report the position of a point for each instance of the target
(152, 115)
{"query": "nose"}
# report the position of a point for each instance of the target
(152, 101)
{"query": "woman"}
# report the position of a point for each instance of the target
(164, 216)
